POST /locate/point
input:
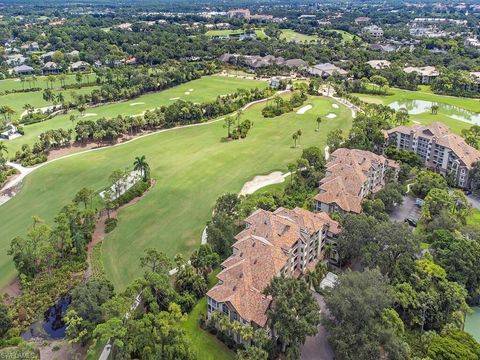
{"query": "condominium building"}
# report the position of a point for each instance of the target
(284, 242)
(373, 30)
(441, 151)
(351, 175)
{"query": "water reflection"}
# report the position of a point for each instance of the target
(416, 107)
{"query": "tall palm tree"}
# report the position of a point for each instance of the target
(140, 164)
(228, 125)
(295, 138)
(319, 120)
(299, 133)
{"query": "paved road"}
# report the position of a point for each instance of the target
(407, 210)
(475, 201)
(317, 347)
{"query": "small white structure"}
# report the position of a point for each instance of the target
(329, 281)
(11, 133)
(373, 30)
(122, 186)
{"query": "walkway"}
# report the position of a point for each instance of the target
(317, 347)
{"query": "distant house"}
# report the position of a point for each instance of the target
(79, 66)
(131, 61)
(98, 64)
(351, 175)
(47, 55)
(373, 30)
(383, 48)
(23, 70)
(295, 63)
(243, 13)
(51, 67)
(426, 73)
(15, 60)
(362, 20)
(325, 70)
(30, 46)
(275, 82)
(379, 64)
(256, 62)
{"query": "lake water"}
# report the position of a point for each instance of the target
(416, 107)
(52, 325)
(472, 323)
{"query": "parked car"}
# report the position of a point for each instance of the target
(467, 192)
(411, 222)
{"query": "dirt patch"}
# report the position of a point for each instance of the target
(63, 350)
(11, 292)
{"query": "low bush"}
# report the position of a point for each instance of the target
(110, 224)
(135, 191)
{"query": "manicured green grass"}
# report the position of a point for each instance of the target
(346, 36)
(35, 98)
(205, 345)
(192, 166)
(293, 36)
(204, 89)
(425, 94)
(474, 218)
(259, 32)
(16, 84)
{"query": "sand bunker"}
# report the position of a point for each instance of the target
(137, 103)
(190, 90)
(261, 181)
(187, 92)
(175, 98)
(335, 106)
(304, 109)
(331, 116)
(89, 114)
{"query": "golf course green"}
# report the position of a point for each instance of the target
(192, 166)
(204, 89)
(452, 110)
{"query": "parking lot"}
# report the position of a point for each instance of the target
(407, 210)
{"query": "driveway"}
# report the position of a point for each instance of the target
(475, 201)
(317, 347)
(407, 210)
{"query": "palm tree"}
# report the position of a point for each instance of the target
(434, 109)
(228, 125)
(295, 138)
(29, 108)
(239, 114)
(62, 78)
(140, 164)
(318, 120)
(299, 133)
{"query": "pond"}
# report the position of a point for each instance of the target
(472, 323)
(52, 325)
(416, 107)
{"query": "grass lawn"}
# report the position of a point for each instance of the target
(192, 166)
(35, 98)
(205, 345)
(204, 89)
(346, 36)
(259, 32)
(293, 36)
(426, 117)
(16, 84)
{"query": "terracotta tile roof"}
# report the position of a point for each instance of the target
(347, 172)
(466, 153)
(260, 253)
